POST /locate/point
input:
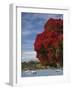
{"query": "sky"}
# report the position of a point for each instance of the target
(31, 25)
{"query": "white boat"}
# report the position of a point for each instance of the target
(28, 72)
(33, 72)
(58, 70)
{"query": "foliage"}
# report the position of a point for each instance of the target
(49, 43)
(35, 65)
(32, 65)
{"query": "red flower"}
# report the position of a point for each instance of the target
(48, 41)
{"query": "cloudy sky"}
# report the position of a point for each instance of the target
(31, 25)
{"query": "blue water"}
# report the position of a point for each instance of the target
(44, 72)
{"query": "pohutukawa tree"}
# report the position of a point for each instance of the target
(49, 44)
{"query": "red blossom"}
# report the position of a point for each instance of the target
(47, 42)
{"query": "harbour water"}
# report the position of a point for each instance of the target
(43, 72)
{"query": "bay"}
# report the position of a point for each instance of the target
(43, 72)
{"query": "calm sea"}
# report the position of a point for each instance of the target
(44, 72)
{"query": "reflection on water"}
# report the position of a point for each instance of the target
(45, 72)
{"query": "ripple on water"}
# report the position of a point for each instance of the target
(45, 72)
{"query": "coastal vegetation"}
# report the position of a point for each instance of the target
(35, 65)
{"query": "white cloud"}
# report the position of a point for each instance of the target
(29, 52)
(28, 56)
(26, 32)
